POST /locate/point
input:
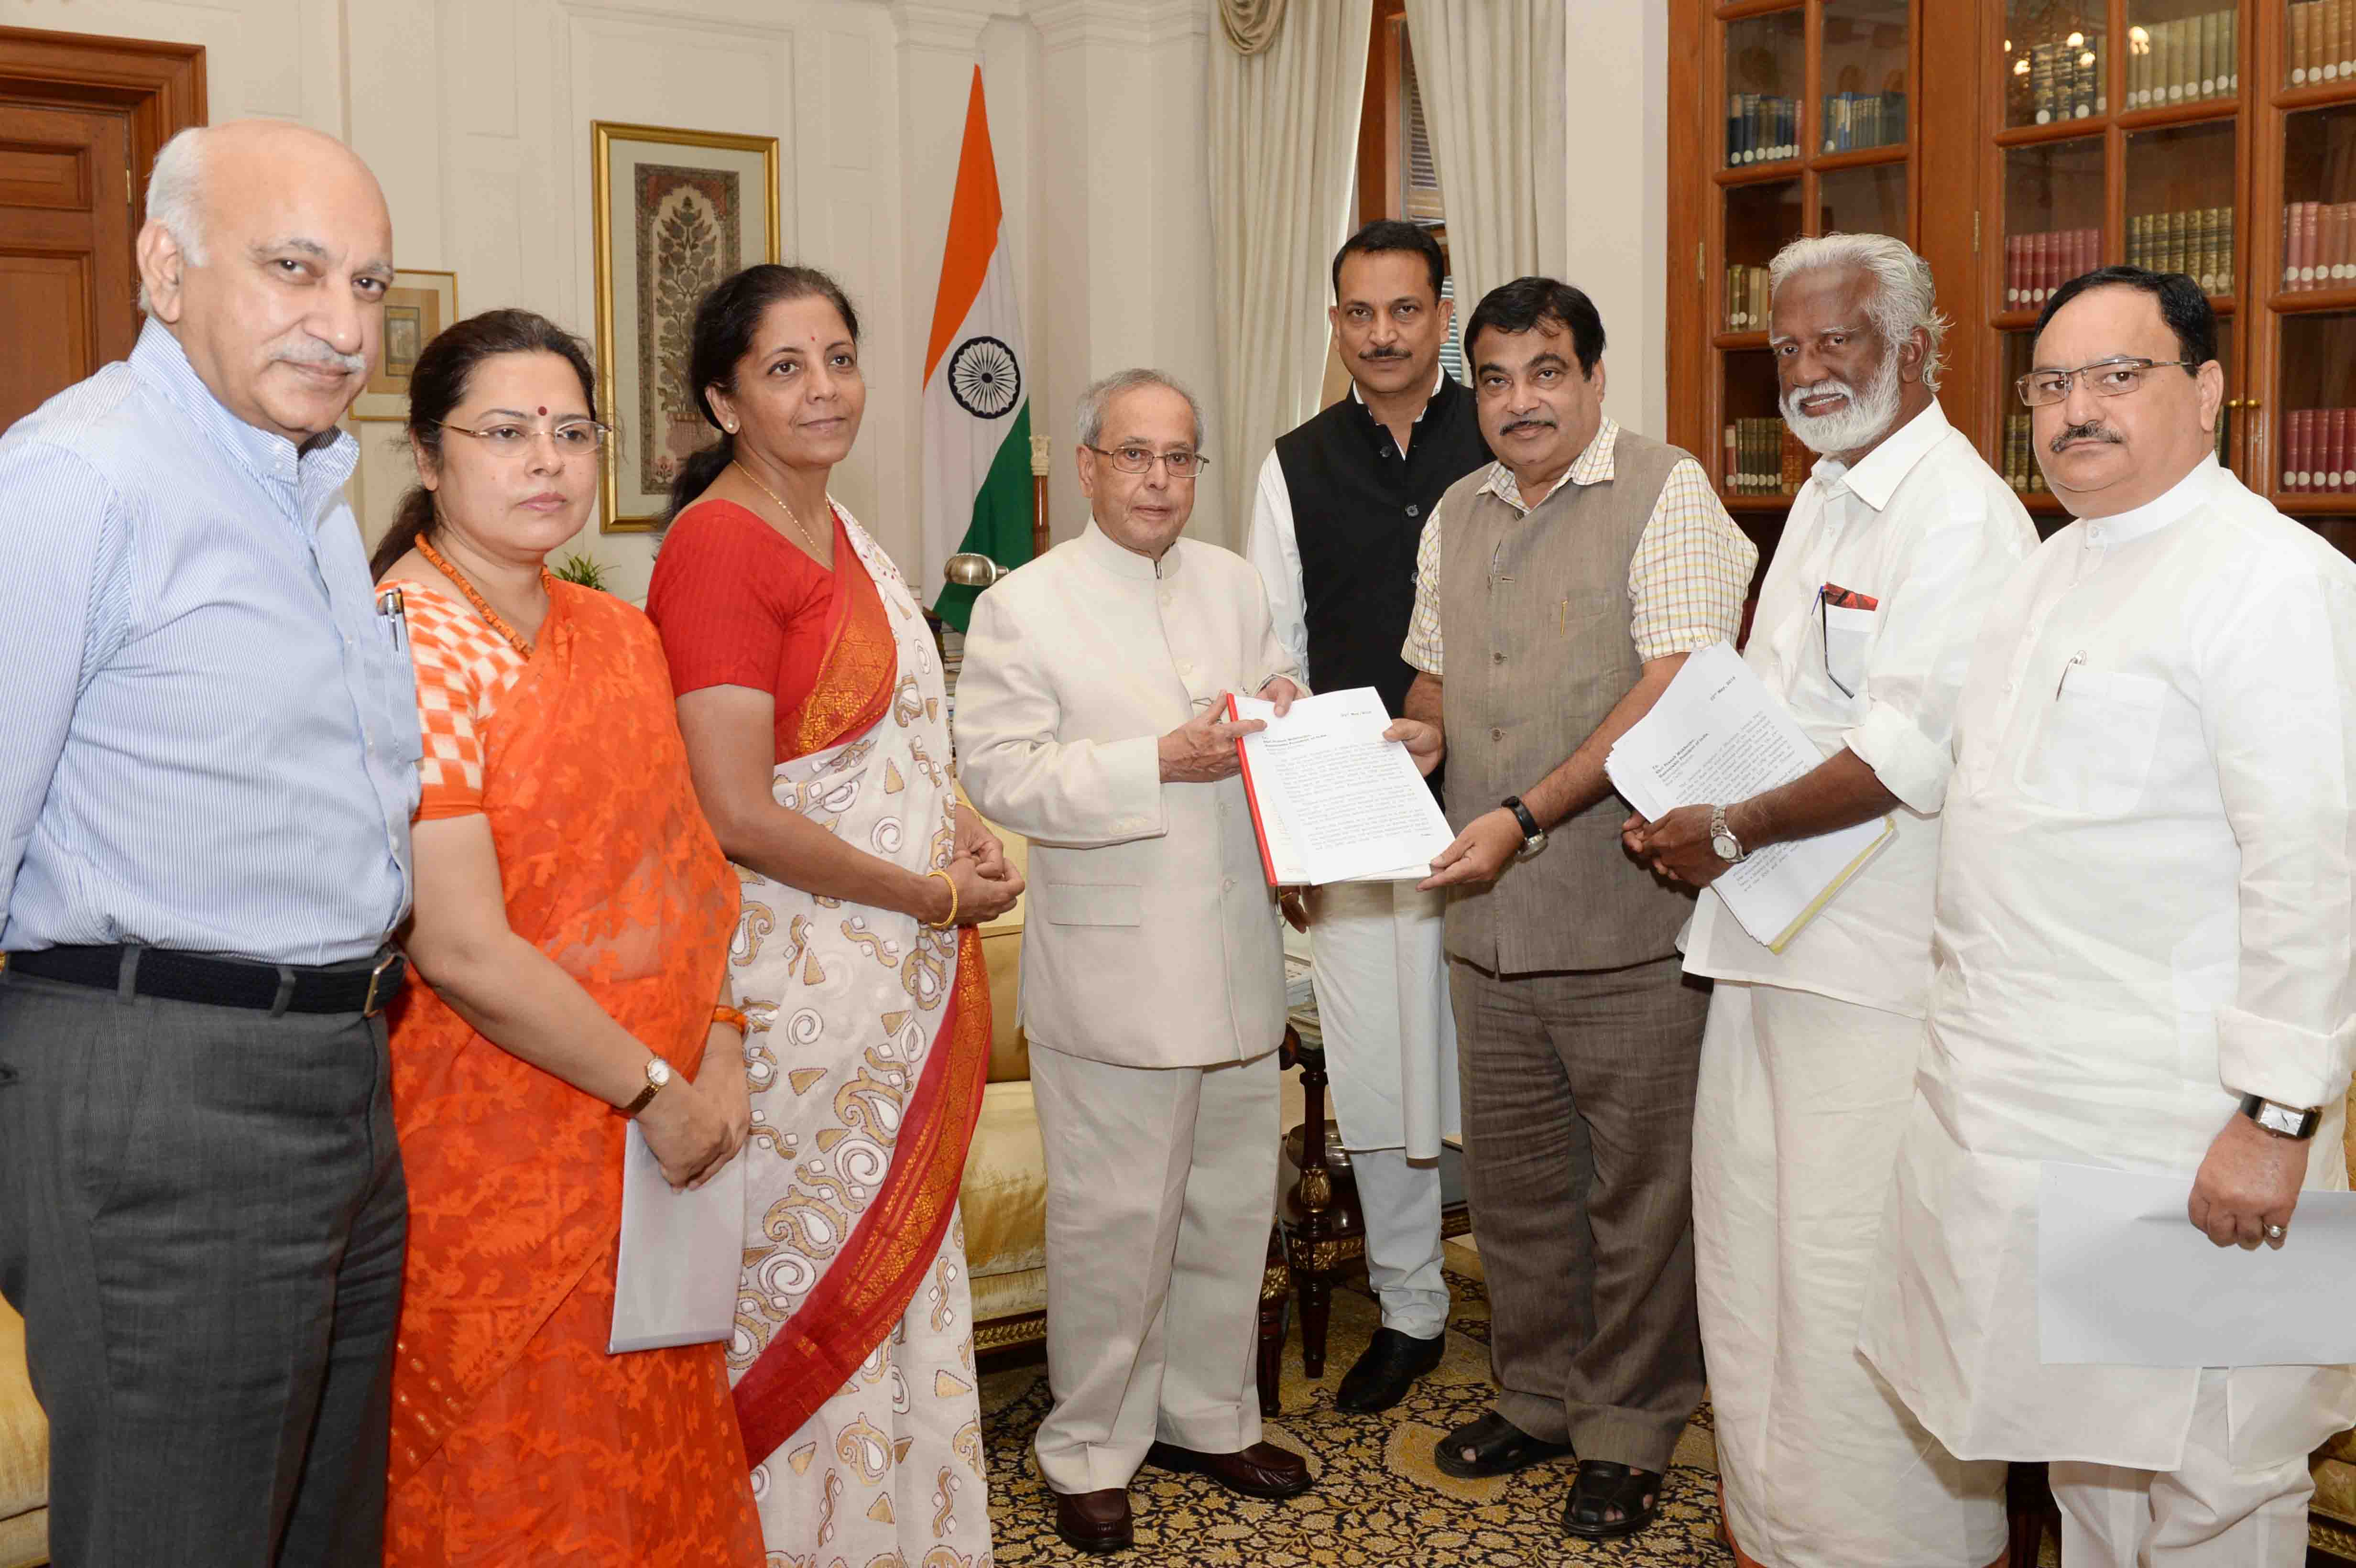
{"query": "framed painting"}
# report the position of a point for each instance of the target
(676, 211)
(417, 307)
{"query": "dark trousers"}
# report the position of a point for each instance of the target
(1579, 1104)
(201, 1219)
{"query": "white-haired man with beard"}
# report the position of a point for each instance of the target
(1894, 549)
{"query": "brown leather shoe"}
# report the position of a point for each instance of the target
(1262, 1470)
(1094, 1521)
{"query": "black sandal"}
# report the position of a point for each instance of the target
(1604, 1486)
(1498, 1448)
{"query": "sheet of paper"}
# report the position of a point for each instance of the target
(1334, 801)
(675, 1279)
(2123, 1278)
(1717, 735)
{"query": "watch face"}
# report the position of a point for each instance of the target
(1723, 845)
(657, 1072)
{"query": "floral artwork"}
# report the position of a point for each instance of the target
(688, 223)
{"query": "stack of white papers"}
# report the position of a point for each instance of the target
(675, 1280)
(1332, 800)
(1717, 736)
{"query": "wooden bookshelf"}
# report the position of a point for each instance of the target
(2085, 127)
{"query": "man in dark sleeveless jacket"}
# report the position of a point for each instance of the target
(1572, 578)
(1335, 522)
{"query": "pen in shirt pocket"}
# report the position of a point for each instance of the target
(395, 611)
(2075, 661)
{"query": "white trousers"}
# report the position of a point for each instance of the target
(1379, 962)
(1161, 1189)
(1796, 1123)
(2203, 1514)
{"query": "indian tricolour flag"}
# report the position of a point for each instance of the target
(977, 405)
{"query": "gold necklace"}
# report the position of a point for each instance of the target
(816, 549)
(491, 617)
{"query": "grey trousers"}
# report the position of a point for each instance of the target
(201, 1220)
(1578, 1105)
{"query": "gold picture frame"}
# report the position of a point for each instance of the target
(418, 307)
(701, 205)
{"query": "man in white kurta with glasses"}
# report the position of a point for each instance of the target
(2143, 939)
(1894, 549)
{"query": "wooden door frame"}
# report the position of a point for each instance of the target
(160, 88)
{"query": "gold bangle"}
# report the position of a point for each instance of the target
(734, 1018)
(950, 918)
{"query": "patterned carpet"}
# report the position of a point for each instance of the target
(1378, 1498)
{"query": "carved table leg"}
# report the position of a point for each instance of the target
(1272, 1354)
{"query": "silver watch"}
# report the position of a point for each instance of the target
(1722, 841)
(2298, 1122)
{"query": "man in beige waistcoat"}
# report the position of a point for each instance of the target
(1572, 578)
(1088, 720)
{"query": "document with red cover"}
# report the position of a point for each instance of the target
(1332, 801)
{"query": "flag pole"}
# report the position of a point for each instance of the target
(1039, 450)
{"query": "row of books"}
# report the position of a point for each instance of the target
(2037, 264)
(2019, 467)
(1746, 298)
(2322, 42)
(1761, 129)
(2186, 60)
(2318, 245)
(2319, 451)
(2198, 241)
(1854, 120)
(1765, 458)
(2065, 80)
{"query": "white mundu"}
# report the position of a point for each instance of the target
(1153, 986)
(1807, 1068)
(1378, 960)
(2143, 913)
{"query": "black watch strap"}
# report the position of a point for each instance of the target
(1530, 828)
(2284, 1121)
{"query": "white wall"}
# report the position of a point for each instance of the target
(1615, 181)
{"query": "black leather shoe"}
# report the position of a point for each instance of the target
(1094, 1522)
(1262, 1470)
(1381, 1377)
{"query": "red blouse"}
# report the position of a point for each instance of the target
(739, 604)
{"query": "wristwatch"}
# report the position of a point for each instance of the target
(1533, 835)
(658, 1080)
(1722, 841)
(2283, 1121)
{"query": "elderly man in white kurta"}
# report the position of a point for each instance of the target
(2143, 940)
(1894, 549)
(1089, 720)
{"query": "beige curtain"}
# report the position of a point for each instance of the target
(1284, 148)
(1491, 73)
(1252, 25)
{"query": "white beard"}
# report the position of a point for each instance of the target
(1867, 418)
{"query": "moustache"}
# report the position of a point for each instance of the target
(1828, 388)
(2093, 430)
(1528, 424)
(311, 351)
(1384, 354)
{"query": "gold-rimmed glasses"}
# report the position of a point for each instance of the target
(570, 438)
(2112, 377)
(1182, 463)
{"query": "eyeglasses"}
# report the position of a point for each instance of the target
(2105, 378)
(574, 438)
(1182, 465)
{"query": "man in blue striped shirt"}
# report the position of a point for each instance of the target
(205, 795)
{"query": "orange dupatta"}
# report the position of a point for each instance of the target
(870, 1282)
(608, 868)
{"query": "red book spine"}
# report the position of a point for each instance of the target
(2041, 269)
(2343, 449)
(2290, 440)
(2302, 245)
(2302, 450)
(2087, 240)
(2337, 257)
(2011, 298)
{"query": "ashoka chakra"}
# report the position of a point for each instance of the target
(984, 378)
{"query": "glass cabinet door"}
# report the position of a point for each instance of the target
(1766, 71)
(2182, 51)
(2052, 217)
(1862, 72)
(2180, 202)
(2053, 61)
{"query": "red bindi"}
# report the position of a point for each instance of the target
(543, 407)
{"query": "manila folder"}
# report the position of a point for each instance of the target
(675, 1280)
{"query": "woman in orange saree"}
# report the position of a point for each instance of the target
(813, 710)
(571, 925)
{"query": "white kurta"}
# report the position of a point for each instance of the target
(1808, 1062)
(2143, 911)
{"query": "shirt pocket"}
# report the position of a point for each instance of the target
(396, 722)
(1091, 903)
(1847, 634)
(2095, 747)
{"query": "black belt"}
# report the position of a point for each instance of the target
(366, 987)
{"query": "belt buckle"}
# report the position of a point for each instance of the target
(370, 1006)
